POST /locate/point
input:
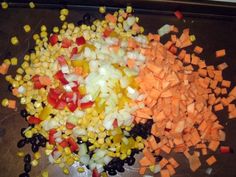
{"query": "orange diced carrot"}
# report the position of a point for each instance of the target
(166, 149)
(195, 59)
(131, 63)
(222, 66)
(4, 68)
(136, 28)
(163, 162)
(194, 162)
(220, 53)
(218, 107)
(171, 169)
(213, 145)
(182, 54)
(142, 170)
(149, 155)
(173, 162)
(223, 91)
(110, 18)
(233, 92)
(232, 114)
(231, 107)
(165, 173)
(225, 83)
(11, 104)
(145, 161)
(15, 91)
(211, 160)
(202, 64)
(168, 44)
(202, 72)
(198, 49)
(217, 90)
(187, 58)
(45, 80)
(173, 38)
(204, 151)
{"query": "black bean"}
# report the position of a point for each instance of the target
(131, 161)
(159, 158)
(21, 143)
(42, 143)
(24, 175)
(33, 101)
(10, 87)
(40, 137)
(27, 158)
(35, 148)
(27, 167)
(24, 113)
(112, 172)
(31, 51)
(33, 140)
(79, 140)
(120, 168)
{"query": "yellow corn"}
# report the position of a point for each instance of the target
(62, 18)
(192, 38)
(20, 154)
(28, 134)
(4, 5)
(102, 9)
(80, 169)
(67, 151)
(129, 9)
(66, 171)
(31, 5)
(7, 61)
(55, 29)
(27, 28)
(34, 163)
(5, 102)
(45, 173)
(64, 12)
(37, 155)
(14, 40)
(20, 71)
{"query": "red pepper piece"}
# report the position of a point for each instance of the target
(69, 125)
(80, 41)
(73, 145)
(64, 144)
(33, 120)
(66, 43)
(72, 106)
(51, 139)
(37, 84)
(67, 96)
(60, 105)
(55, 93)
(179, 15)
(74, 51)
(52, 101)
(115, 123)
(60, 76)
(225, 150)
(95, 173)
(53, 39)
(86, 105)
(62, 60)
(107, 32)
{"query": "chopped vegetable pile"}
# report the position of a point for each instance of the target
(100, 92)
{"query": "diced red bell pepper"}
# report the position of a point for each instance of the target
(69, 125)
(37, 84)
(225, 149)
(51, 139)
(64, 144)
(52, 101)
(115, 123)
(67, 96)
(60, 105)
(55, 93)
(53, 39)
(86, 105)
(72, 106)
(61, 60)
(34, 120)
(73, 145)
(95, 173)
(66, 43)
(52, 131)
(107, 32)
(74, 51)
(80, 41)
(179, 15)
(60, 76)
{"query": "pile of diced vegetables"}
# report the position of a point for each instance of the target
(99, 92)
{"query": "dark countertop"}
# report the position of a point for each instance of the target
(212, 33)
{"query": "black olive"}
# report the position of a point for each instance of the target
(134, 151)
(31, 51)
(33, 140)
(158, 140)
(10, 87)
(43, 104)
(35, 148)
(131, 161)
(27, 140)
(24, 113)
(79, 140)
(159, 158)
(42, 143)
(27, 158)
(24, 175)
(33, 101)
(112, 172)
(80, 22)
(21, 143)
(27, 167)
(120, 169)
(88, 143)
(40, 137)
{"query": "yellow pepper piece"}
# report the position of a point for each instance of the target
(14, 40)
(45, 113)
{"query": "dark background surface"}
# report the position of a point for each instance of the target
(212, 29)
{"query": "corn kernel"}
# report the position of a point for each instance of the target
(67, 151)
(55, 29)
(31, 5)
(5, 102)
(25, 65)
(28, 134)
(7, 61)
(20, 154)
(37, 155)
(43, 28)
(4, 5)
(43, 34)
(45, 173)
(192, 38)
(80, 169)
(123, 156)
(14, 61)
(62, 18)
(69, 161)
(129, 9)
(35, 37)
(34, 163)
(102, 9)
(18, 77)
(48, 151)
(20, 71)
(129, 152)
(64, 12)
(27, 28)
(14, 40)
(66, 171)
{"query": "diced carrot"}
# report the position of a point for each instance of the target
(231, 107)
(45, 80)
(110, 18)
(222, 66)
(4, 68)
(173, 38)
(202, 64)
(163, 162)
(218, 107)
(168, 44)
(171, 169)
(225, 83)
(166, 149)
(153, 143)
(15, 91)
(11, 104)
(182, 54)
(213, 145)
(198, 49)
(195, 59)
(149, 155)
(142, 170)
(145, 161)
(211, 160)
(224, 91)
(202, 72)
(173, 162)
(131, 63)
(187, 58)
(220, 53)
(232, 114)
(165, 173)
(194, 162)
(204, 151)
